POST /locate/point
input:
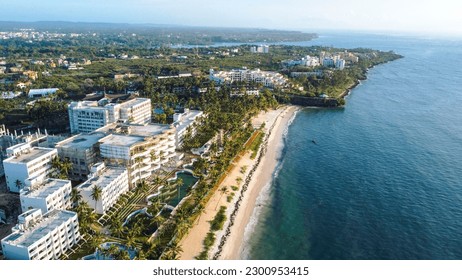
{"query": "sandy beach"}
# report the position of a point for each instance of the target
(258, 174)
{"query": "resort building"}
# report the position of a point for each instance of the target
(82, 151)
(259, 49)
(307, 61)
(33, 163)
(46, 195)
(86, 116)
(42, 92)
(141, 148)
(42, 237)
(112, 181)
(266, 78)
(183, 122)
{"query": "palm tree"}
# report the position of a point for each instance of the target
(130, 239)
(223, 190)
(172, 252)
(96, 193)
(179, 184)
(76, 197)
(138, 162)
(116, 227)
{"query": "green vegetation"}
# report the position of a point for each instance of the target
(219, 220)
(255, 145)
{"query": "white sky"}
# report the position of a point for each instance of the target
(423, 16)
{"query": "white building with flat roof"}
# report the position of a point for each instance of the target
(42, 237)
(33, 163)
(112, 181)
(47, 195)
(266, 78)
(141, 148)
(183, 122)
(82, 151)
(41, 92)
(86, 116)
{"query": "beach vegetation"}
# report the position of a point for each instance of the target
(219, 220)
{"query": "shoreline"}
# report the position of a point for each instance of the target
(248, 182)
(231, 247)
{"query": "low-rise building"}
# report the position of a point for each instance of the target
(32, 163)
(42, 237)
(42, 92)
(266, 78)
(46, 195)
(112, 181)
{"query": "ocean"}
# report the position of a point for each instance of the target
(384, 179)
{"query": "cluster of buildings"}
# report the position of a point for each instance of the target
(266, 78)
(337, 60)
(115, 147)
(31, 34)
(259, 49)
(308, 61)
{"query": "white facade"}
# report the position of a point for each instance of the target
(42, 237)
(259, 49)
(266, 78)
(112, 181)
(142, 148)
(47, 195)
(307, 61)
(86, 116)
(33, 163)
(137, 111)
(42, 92)
(184, 121)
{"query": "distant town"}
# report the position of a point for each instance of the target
(113, 144)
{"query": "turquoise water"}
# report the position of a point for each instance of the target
(188, 181)
(384, 180)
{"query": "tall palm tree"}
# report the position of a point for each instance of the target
(96, 193)
(172, 252)
(179, 184)
(116, 227)
(223, 190)
(76, 197)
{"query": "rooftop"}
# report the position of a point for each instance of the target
(121, 140)
(102, 180)
(134, 102)
(81, 141)
(45, 189)
(187, 118)
(148, 130)
(49, 222)
(30, 155)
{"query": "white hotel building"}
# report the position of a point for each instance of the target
(183, 121)
(42, 237)
(47, 195)
(141, 148)
(266, 78)
(86, 116)
(112, 181)
(32, 163)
